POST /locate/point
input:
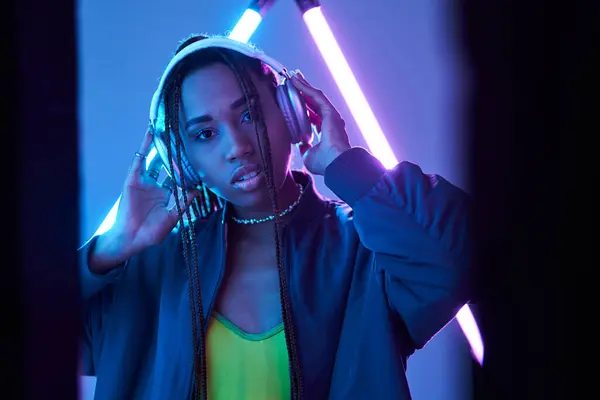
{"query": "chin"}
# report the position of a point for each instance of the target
(256, 199)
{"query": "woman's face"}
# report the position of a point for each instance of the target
(220, 137)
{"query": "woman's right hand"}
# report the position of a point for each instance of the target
(144, 217)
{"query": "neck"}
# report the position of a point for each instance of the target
(254, 235)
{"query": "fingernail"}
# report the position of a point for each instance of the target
(300, 74)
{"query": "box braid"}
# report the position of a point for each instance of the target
(188, 240)
(265, 153)
(207, 202)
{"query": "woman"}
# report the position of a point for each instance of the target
(253, 285)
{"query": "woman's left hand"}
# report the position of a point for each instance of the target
(331, 128)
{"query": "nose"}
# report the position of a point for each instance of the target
(239, 144)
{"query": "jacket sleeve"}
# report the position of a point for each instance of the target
(90, 283)
(417, 226)
(93, 290)
(98, 291)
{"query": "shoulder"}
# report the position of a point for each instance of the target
(337, 220)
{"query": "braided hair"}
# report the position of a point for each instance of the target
(207, 202)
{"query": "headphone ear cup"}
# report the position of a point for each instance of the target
(191, 178)
(294, 111)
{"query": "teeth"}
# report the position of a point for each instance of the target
(248, 176)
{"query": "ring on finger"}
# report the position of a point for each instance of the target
(153, 174)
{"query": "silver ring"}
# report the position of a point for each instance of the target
(140, 155)
(153, 174)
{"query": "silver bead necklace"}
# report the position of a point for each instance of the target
(252, 221)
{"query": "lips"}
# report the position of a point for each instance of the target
(245, 172)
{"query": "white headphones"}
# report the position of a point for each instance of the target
(290, 102)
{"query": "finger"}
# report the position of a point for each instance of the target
(167, 183)
(137, 166)
(314, 119)
(314, 97)
(312, 106)
(169, 186)
(146, 144)
(153, 170)
(310, 103)
(304, 147)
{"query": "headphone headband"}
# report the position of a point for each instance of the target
(213, 42)
(289, 99)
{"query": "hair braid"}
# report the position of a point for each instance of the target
(191, 234)
(206, 203)
(188, 242)
(265, 152)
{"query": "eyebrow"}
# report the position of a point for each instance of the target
(207, 118)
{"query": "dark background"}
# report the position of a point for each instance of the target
(526, 63)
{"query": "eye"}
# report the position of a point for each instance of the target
(246, 117)
(206, 134)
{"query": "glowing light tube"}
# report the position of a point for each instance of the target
(250, 20)
(348, 86)
(246, 26)
(467, 323)
(361, 111)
